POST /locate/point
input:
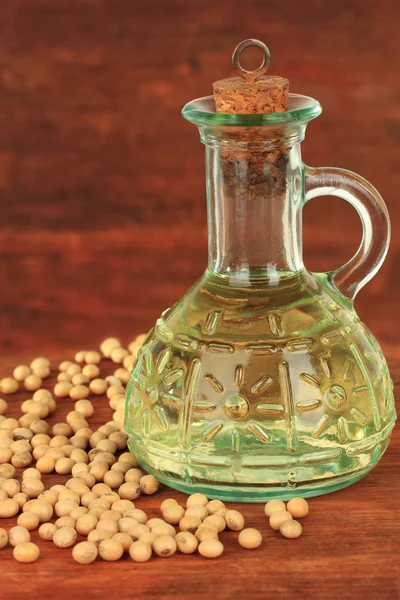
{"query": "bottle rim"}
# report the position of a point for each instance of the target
(300, 109)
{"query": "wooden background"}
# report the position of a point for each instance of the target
(103, 226)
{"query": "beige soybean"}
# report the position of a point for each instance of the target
(127, 457)
(164, 546)
(79, 392)
(79, 442)
(197, 499)
(167, 502)
(119, 438)
(84, 406)
(108, 345)
(92, 357)
(50, 496)
(124, 539)
(56, 453)
(173, 513)
(63, 366)
(114, 479)
(111, 550)
(98, 535)
(65, 522)
(7, 471)
(234, 520)
(62, 429)
(214, 505)
(21, 372)
(8, 508)
(123, 375)
(74, 369)
(26, 553)
(149, 484)
(274, 506)
(128, 362)
(190, 524)
(217, 520)
(46, 531)
(11, 487)
(40, 439)
(3, 406)
(197, 511)
(129, 491)
(64, 376)
(39, 362)
(113, 390)
(64, 466)
(133, 474)
(20, 446)
(278, 518)
(28, 520)
(78, 512)
(21, 460)
(111, 514)
(33, 382)
(85, 553)
(32, 487)
(9, 385)
(63, 507)
(80, 356)
(98, 386)
(42, 371)
(138, 530)
(250, 538)
(108, 525)
(107, 446)
(291, 529)
(86, 523)
(112, 380)
(3, 538)
(5, 455)
(24, 433)
(118, 354)
(62, 389)
(211, 548)
(206, 533)
(65, 537)
(10, 424)
(20, 498)
(126, 523)
(298, 507)
(121, 467)
(18, 535)
(163, 529)
(136, 513)
(140, 551)
(80, 379)
(186, 542)
(91, 371)
(148, 538)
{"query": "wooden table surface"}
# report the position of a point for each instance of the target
(103, 225)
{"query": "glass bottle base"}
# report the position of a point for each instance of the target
(256, 492)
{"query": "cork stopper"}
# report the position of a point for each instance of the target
(251, 93)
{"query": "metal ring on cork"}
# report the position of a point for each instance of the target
(251, 76)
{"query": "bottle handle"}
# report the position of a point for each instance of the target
(330, 181)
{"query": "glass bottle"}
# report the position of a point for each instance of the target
(261, 381)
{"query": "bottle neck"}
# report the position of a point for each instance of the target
(254, 199)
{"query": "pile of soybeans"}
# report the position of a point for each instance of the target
(92, 509)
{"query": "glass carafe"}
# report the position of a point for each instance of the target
(261, 381)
